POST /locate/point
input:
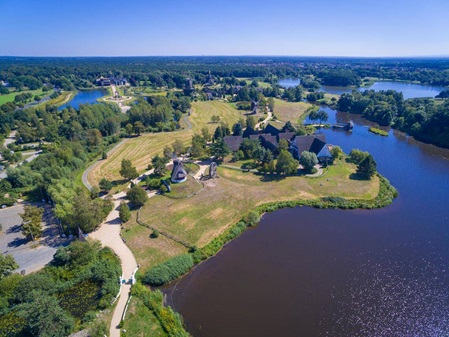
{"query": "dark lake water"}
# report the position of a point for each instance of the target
(83, 97)
(409, 90)
(309, 272)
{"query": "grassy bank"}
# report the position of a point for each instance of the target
(223, 201)
(175, 267)
(164, 321)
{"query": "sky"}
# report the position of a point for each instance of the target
(377, 28)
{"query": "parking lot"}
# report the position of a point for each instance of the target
(28, 255)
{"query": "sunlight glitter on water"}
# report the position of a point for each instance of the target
(394, 300)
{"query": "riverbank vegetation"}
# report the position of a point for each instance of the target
(378, 131)
(419, 117)
(63, 297)
(200, 218)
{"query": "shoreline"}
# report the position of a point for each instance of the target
(387, 193)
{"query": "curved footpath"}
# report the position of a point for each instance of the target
(109, 235)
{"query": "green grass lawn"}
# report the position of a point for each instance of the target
(5, 98)
(289, 111)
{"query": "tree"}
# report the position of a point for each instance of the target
(178, 147)
(206, 134)
(138, 128)
(336, 152)
(367, 168)
(93, 137)
(248, 146)
(45, 318)
(128, 171)
(124, 212)
(168, 151)
(218, 134)
(137, 196)
(32, 222)
(267, 157)
(105, 185)
(159, 164)
(215, 119)
(319, 115)
(252, 218)
(94, 192)
(271, 104)
(7, 265)
(357, 156)
(219, 149)
(283, 145)
(251, 122)
(237, 129)
(288, 127)
(198, 146)
(308, 160)
(104, 155)
(129, 129)
(286, 163)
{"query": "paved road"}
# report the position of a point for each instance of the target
(13, 242)
(35, 154)
(10, 139)
(109, 235)
(269, 116)
(85, 177)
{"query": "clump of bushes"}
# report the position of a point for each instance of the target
(169, 270)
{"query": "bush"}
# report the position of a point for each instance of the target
(153, 183)
(155, 234)
(168, 270)
(252, 218)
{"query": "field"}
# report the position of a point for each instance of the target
(224, 201)
(141, 149)
(289, 111)
(10, 97)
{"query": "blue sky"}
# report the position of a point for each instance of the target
(245, 27)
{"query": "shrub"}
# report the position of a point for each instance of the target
(169, 270)
(153, 183)
(252, 218)
(155, 234)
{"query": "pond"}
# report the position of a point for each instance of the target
(311, 272)
(84, 97)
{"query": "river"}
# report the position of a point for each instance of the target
(310, 272)
(84, 97)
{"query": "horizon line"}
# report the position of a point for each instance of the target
(243, 55)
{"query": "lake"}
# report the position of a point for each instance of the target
(409, 90)
(84, 97)
(310, 272)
